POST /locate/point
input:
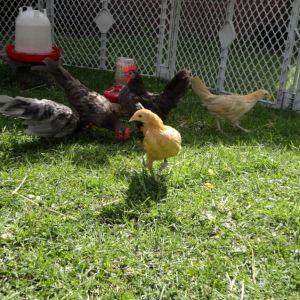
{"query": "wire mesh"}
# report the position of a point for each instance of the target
(255, 57)
(76, 33)
(134, 33)
(198, 42)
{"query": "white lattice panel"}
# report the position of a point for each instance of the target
(198, 42)
(255, 57)
(76, 33)
(134, 33)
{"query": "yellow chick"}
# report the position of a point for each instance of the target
(160, 141)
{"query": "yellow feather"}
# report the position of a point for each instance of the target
(160, 141)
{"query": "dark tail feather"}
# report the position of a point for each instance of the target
(60, 74)
(174, 90)
(43, 118)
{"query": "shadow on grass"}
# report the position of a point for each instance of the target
(88, 149)
(144, 191)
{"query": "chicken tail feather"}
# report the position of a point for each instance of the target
(173, 91)
(60, 74)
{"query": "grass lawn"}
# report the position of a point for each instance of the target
(89, 223)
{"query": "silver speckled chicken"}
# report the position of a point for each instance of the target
(44, 118)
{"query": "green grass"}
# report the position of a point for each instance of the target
(90, 223)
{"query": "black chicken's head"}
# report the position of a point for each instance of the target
(136, 83)
(183, 75)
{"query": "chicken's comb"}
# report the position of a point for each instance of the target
(129, 68)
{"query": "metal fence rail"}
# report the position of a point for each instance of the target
(234, 45)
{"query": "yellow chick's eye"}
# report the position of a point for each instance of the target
(139, 116)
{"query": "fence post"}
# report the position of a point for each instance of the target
(295, 99)
(50, 12)
(174, 37)
(287, 56)
(165, 68)
(224, 51)
(40, 5)
(103, 41)
(162, 30)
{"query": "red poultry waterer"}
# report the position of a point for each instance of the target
(124, 67)
(30, 57)
(112, 94)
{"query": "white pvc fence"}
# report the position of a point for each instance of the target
(236, 46)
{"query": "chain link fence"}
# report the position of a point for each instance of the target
(259, 49)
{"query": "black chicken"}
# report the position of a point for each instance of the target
(44, 118)
(161, 104)
(93, 108)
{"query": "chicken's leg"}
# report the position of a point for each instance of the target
(219, 126)
(237, 124)
(163, 165)
(149, 163)
(144, 163)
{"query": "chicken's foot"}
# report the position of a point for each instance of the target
(237, 124)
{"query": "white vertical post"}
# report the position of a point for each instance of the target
(174, 37)
(103, 41)
(166, 65)
(162, 30)
(50, 13)
(224, 51)
(40, 5)
(287, 56)
(171, 30)
(103, 49)
(295, 103)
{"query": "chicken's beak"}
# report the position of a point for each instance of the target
(132, 119)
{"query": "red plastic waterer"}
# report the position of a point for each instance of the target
(30, 57)
(112, 94)
(122, 76)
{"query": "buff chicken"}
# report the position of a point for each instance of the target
(227, 107)
(160, 141)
